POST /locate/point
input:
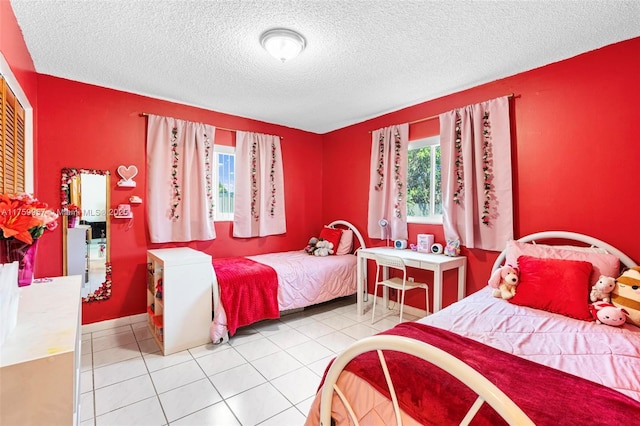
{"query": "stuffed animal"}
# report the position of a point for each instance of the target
(606, 313)
(323, 248)
(626, 294)
(311, 245)
(452, 248)
(504, 281)
(602, 289)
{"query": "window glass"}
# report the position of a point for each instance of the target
(424, 189)
(224, 180)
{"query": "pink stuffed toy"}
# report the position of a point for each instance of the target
(504, 281)
(606, 313)
(602, 289)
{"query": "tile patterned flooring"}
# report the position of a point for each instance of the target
(267, 374)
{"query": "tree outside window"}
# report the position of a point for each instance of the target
(424, 189)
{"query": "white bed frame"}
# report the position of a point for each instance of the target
(334, 224)
(486, 391)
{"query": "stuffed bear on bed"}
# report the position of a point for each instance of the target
(323, 248)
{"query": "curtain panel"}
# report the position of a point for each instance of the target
(388, 182)
(180, 203)
(475, 144)
(259, 208)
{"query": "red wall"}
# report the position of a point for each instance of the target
(575, 151)
(86, 126)
(17, 55)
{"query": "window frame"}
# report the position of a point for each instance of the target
(432, 141)
(222, 149)
(14, 85)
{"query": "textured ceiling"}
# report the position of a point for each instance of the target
(363, 58)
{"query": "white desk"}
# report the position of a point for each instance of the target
(438, 263)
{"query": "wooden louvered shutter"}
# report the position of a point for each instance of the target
(12, 132)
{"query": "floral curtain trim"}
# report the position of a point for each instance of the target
(208, 179)
(458, 163)
(272, 180)
(396, 171)
(380, 169)
(487, 165)
(254, 181)
(104, 291)
(175, 187)
(397, 147)
(487, 168)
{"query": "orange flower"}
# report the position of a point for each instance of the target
(23, 217)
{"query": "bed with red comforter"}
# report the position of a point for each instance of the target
(556, 369)
(252, 288)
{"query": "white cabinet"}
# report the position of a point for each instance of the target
(179, 297)
(40, 359)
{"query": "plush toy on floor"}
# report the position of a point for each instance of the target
(602, 289)
(606, 313)
(504, 281)
(323, 248)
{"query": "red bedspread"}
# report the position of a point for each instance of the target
(248, 291)
(546, 395)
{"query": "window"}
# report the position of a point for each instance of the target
(424, 190)
(224, 180)
(12, 141)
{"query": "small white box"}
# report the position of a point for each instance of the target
(425, 241)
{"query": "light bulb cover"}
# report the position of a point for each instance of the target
(282, 44)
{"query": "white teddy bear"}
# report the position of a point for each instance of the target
(323, 248)
(602, 289)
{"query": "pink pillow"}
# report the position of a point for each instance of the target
(346, 242)
(332, 235)
(603, 263)
(554, 285)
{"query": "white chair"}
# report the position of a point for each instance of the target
(394, 262)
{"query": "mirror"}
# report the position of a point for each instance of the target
(86, 230)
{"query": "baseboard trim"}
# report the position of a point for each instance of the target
(113, 323)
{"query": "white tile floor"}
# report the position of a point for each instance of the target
(266, 375)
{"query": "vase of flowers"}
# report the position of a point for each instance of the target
(23, 220)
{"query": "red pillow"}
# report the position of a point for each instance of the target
(332, 235)
(554, 285)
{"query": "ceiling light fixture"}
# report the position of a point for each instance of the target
(282, 44)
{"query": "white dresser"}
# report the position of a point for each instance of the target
(40, 359)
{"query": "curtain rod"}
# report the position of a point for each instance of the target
(146, 114)
(420, 120)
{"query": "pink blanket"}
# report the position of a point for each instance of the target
(546, 395)
(248, 291)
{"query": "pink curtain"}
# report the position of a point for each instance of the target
(475, 144)
(180, 202)
(259, 198)
(388, 182)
